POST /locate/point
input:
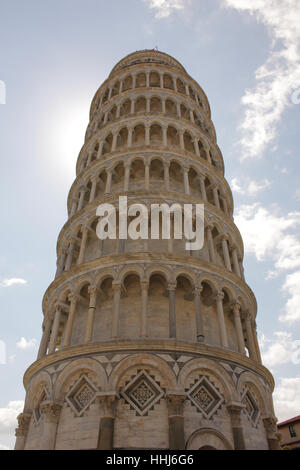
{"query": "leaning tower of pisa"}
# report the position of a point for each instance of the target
(146, 345)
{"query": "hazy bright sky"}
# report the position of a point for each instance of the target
(55, 54)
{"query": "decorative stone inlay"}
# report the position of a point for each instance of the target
(251, 408)
(205, 396)
(81, 395)
(37, 412)
(142, 393)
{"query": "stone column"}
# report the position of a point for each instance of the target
(126, 177)
(132, 106)
(50, 412)
(61, 263)
(22, 430)
(107, 402)
(161, 76)
(175, 402)
(236, 262)
(216, 197)
(118, 111)
(148, 105)
(271, 432)
(238, 327)
(178, 110)
(133, 81)
(129, 138)
(199, 314)
(147, 176)
(165, 140)
(164, 105)
(181, 139)
(54, 332)
(108, 181)
(175, 83)
(211, 247)
(186, 180)
(70, 254)
(192, 119)
(203, 188)
(172, 311)
(187, 91)
(147, 135)
(85, 232)
(221, 319)
(45, 338)
(144, 319)
(207, 154)
(114, 142)
(73, 299)
(110, 93)
(250, 340)
(91, 314)
(234, 410)
(167, 175)
(101, 145)
(196, 147)
(226, 253)
(147, 79)
(116, 313)
(74, 207)
(257, 349)
(81, 198)
(93, 188)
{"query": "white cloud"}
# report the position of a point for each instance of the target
(24, 344)
(165, 8)
(8, 416)
(277, 78)
(287, 398)
(269, 236)
(249, 188)
(279, 350)
(11, 282)
(292, 288)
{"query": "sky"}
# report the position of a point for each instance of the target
(54, 55)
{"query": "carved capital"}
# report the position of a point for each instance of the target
(107, 401)
(50, 410)
(175, 402)
(219, 296)
(23, 422)
(234, 410)
(270, 426)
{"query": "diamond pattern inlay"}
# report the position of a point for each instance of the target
(142, 393)
(251, 408)
(81, 395)
(205, 397)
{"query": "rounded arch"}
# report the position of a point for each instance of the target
(42, 381)
(159, 270)
(251, 381)
(142, 360)
(208, 439)
(77, 367)
(130, 270)
(212, 368)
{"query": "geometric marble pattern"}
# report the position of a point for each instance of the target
(142, 393)
(81, 395)
(205, 397)
(251, 409)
